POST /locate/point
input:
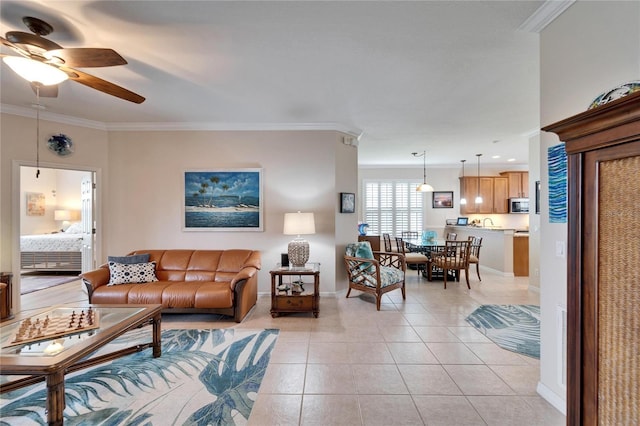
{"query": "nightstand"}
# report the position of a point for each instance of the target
(285, 299)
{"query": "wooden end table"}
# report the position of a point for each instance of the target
(289, 301)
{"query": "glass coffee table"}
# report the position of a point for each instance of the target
(47, 353)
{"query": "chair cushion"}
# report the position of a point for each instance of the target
(415, 257)
(473, 259)
(360, 249)
(390, 275)
(363, 250)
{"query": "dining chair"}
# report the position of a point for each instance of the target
(410, 235)
(454, 257)
(411, 258)
(451, 236)
(387, 242)
(474, 253)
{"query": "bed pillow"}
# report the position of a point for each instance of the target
(74, 228)
(128, 260)
(134, 273)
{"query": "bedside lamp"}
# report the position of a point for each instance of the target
(299, 224)
(64, 216)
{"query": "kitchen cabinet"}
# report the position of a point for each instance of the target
(518, 184)
(603, 338)
(520, 256)
(500, 195)
(493, 190)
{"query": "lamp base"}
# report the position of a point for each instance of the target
(298, 250)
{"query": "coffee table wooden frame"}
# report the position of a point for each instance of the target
(52, 369)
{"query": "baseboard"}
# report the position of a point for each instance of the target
(552, 398)
(495, 271)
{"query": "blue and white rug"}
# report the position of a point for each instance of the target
(512, 327)
(204, 377)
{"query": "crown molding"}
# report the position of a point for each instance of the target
(545, 15)
(175, 126)
(51, 116)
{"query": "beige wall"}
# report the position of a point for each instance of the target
(299, 173)
(582, 55)
(140, 187)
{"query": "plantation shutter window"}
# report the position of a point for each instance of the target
(391, 207)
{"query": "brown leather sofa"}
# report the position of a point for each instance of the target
(217, 281)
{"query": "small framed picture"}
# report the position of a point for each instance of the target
(442, 200)
(347, 202)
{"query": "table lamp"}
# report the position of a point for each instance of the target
(299, 224)
(63, 216)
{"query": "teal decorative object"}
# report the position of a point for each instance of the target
(362, 228)
(429, 236)
(60, 144)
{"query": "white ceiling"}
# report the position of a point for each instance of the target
(454, 78)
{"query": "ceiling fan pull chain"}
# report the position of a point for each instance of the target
(37, 130)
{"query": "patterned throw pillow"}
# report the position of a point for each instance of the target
(122, 273)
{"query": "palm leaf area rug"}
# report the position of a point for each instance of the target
(204, 377)
(512, 327)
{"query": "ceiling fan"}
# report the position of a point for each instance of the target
(50, 54)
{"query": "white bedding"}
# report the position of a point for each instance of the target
(62, 241)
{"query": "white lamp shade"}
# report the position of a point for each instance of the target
(424, 187)
(299, 224)
(35, 71)
(62, 215)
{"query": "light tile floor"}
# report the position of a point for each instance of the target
(415, 362)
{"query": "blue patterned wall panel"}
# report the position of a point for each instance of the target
(557, 159)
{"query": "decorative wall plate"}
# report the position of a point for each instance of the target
(60, 144)
(616, 93)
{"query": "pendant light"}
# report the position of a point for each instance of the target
(478, 197)
(424, 187)
(463, 200)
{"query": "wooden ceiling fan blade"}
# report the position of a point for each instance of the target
(86, 57)
(19, 37)
(46, 91)
(105, 86)
(15, 48)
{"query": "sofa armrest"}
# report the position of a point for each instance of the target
(96, 278)
(246, 273)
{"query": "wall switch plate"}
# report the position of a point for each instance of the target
(560, 248)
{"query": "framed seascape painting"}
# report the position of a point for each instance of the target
(442, 200)
(223, 200)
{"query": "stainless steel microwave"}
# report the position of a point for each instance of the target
(518, 205)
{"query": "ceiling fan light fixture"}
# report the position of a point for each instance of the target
(35, 71)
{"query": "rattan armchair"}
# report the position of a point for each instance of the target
(374, 273)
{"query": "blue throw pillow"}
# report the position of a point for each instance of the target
(129, 260)
(364, 250)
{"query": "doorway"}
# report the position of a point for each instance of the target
(54, 215)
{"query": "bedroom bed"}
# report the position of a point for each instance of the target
(52, 252)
